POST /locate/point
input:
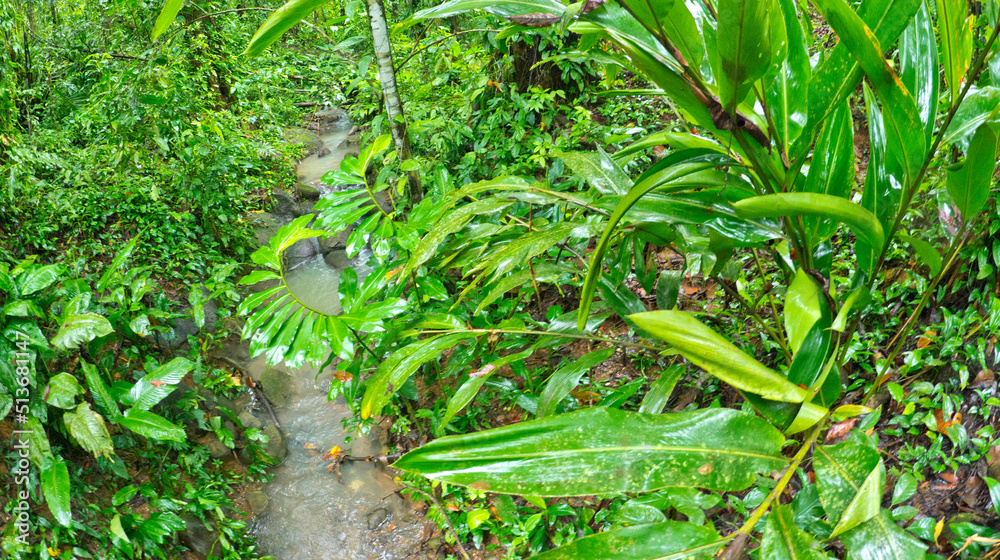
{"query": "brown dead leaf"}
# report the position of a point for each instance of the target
(840, 429)
(485, 371)
(310, 446)
(343, 376)
(949, 477)
(926, 339)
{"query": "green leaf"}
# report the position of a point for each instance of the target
(470, 388)
(918, 55)
(981, 105)
(880, 538)
(62, 391)
(145, 394)
(598, 170)
(78, 329)
(656, 541)
(862, 221)
(566, 378)
(170, 10)
(713, 353)
(394, 371)
(283, 19)
(116, 528)
(802, 308)
(849, 477)
(668, 287)
(36, 279)
(39, 448)
(969, 186)
(955, 25)
(717, 449)
(905, 487)
(925, 251)
(831, 171)
(994, 488)
(151, 425)
(504, 8)
(783, 540)
(745, 43)
(659, 392)
(787, 95)
(88, 429)
(102, 397)
(55, 487)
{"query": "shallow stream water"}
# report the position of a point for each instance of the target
(311, 515)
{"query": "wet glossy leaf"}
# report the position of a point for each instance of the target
(713, 353)
(36, 279)
(849, 477)
(598, 170)
(969, 186)
(62, 391)
(55, 487)
(79, 329)
(783, 540)
(862, 221)
(994, 488)
(787, 95)
(393, 372)
(283, 19)
(832, 170)
(880, 538)
(504, 8)
(660, 390)
(166, 17)
(470, 388)
(745, 42)
(667, 540)
(981, 105)
(88, 429)
(668, 287)
(151, 425)
(904, 488)
(157, 384)
(918, 54)
(716, 449)
(955, 26)
(99, 390)
(925, 251)
(566, 378)
(450, 223)
(672, 20)
(802, 308)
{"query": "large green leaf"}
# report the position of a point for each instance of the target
(55, 487)
(151, 425)
(745, 43)
(566, 378)
(918, 55)
(283, 19)
(503, 8)
(831, 171)
(62, 391)
(598, 170)
(166, 18)
(783, 540)
(802, 308)
(863, 222)
(660, 390)
(669, 540)
(671, 20)
(880, 538)
(981, 105)
(969, 186)
(393, 372)
(39, 442)
(99, 390)
(88, 429)
(787, 94)
(847, 477)
(80, 328)
(718, 449)
(157, 384)
(713, 353)
(955, 26)
(471, 387)
(36, 278)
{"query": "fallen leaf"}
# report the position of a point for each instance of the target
(343, 376)
(949, 477)
(309, 446)
(938, 527)
(157, 383)
(840, 429)
(485, 371)
(925, 340)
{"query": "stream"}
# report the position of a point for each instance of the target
(310, 515)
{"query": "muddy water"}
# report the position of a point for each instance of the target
(310, 514)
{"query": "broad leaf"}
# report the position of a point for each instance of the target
(925, 251)
(62, 391)
(157, 384)
(88, 429)
(151, 425)
(660, 390)
(969, 186)
(598, 170)
(783, 540)
(844, 478)
(802, 308)
(99, 390)
(55, 487)
(717, 449)
(831, 171)
(504, 8)
(918, 54)
(863, 222)
(955, 26)
(470, 388)
(880, 538)
(78, 329)
(283, 19)
(36, 279)
(787, 95)
(663, 541)
(566, 378)
(745, 42)
(166, 18)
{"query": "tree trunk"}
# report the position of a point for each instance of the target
(393, 104)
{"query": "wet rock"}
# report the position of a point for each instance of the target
(284, 204)
(434, 543)
(301, 252)
(216, 448)
(308, 140)
(278, 386)
(258, 501)
(331, 242)
(338, 259)
(197, 536)
(307, 192)
(377, 518)
(250, 421)
(277, 447)
(264, 224)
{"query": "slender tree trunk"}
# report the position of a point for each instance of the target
(393, 104)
